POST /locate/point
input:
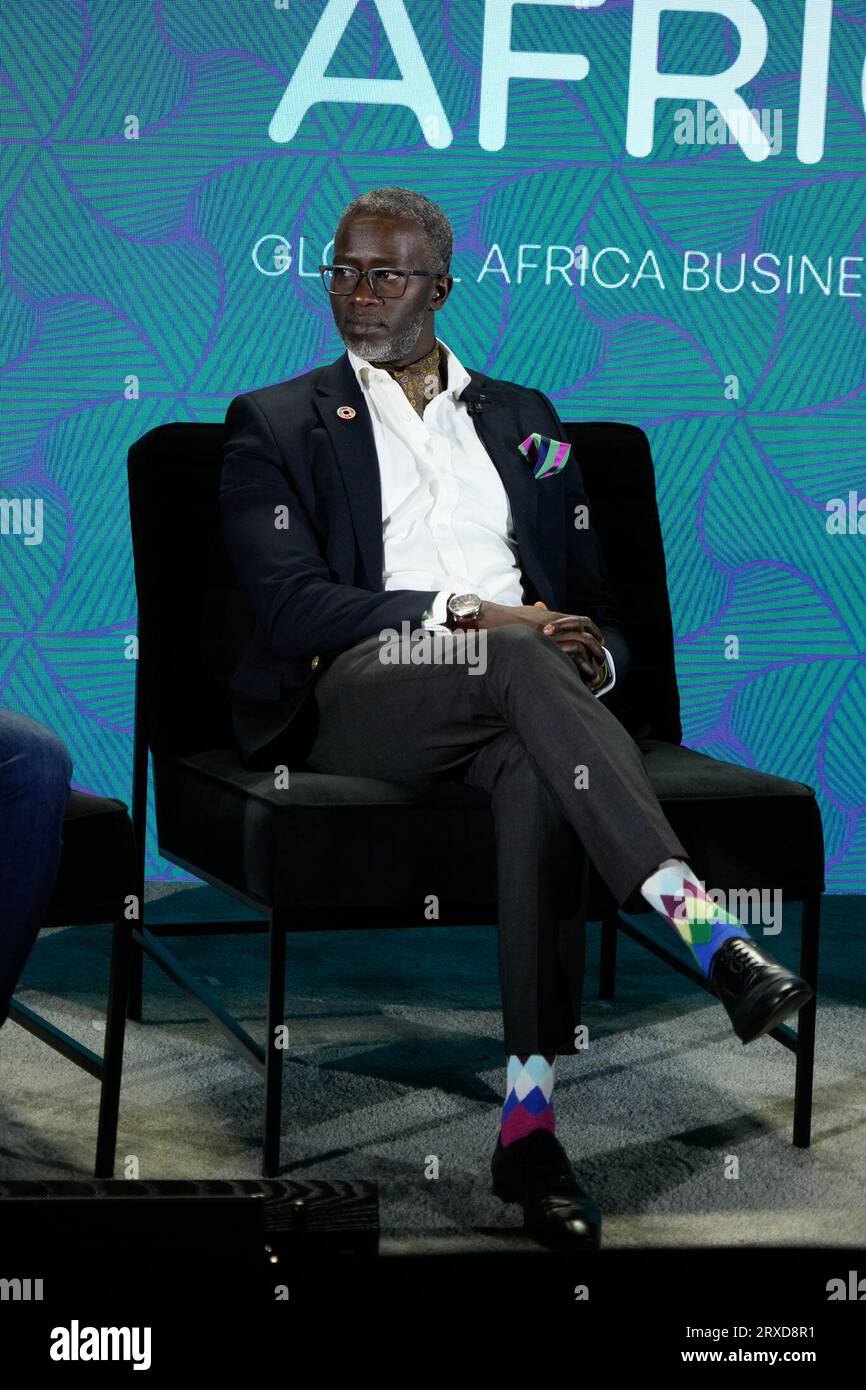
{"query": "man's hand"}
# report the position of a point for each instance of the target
(579, 640)
(577, 636)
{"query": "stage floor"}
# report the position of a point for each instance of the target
(395, 1056)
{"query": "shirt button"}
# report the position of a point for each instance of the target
(314, 663)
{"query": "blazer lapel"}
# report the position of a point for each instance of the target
(355, 450)
(498, 427)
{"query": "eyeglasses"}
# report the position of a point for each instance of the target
(384, 282)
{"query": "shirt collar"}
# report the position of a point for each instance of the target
(458, 377)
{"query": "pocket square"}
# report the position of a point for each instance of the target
(547, 456)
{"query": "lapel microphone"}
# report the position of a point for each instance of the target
(475, 405)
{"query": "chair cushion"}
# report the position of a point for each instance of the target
(97, 862)
(679, 773)
(743, 828)
(328, 840)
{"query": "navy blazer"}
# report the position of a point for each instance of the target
(301, 511)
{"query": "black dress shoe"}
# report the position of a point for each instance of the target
(536, 1172)
(757, 992)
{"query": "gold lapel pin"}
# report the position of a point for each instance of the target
(346, 412)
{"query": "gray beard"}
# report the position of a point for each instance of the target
(378, 349)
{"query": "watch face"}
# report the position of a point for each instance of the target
(464, 605)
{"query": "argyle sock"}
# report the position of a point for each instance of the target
(528, 1101)
(678, 894)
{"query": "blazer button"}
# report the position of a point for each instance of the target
(314, 663)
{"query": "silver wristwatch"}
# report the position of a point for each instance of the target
(464, 610)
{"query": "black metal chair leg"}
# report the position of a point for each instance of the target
(805, 1068)
(115, 1027)
(136, 980)
(140, 762)
(607, 968)
(273, 1052)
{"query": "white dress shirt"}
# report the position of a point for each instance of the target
(446, 517)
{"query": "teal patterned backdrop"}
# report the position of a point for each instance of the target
(161, 225)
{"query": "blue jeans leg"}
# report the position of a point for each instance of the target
(35, 770)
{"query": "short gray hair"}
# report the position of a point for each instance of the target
(404, 202)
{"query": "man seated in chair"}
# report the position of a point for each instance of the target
(394, 491)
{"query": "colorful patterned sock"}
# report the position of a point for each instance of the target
(678, 894)
(528, 1104)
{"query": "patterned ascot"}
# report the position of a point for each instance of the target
(421, 380)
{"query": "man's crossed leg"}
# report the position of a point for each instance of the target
(563, 776)
(566, 780)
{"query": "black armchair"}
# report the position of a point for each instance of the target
(269, 847)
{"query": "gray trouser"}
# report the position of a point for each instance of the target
(524, 730)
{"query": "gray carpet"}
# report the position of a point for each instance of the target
(395, 1059)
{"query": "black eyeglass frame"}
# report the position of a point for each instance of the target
(368, 274)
